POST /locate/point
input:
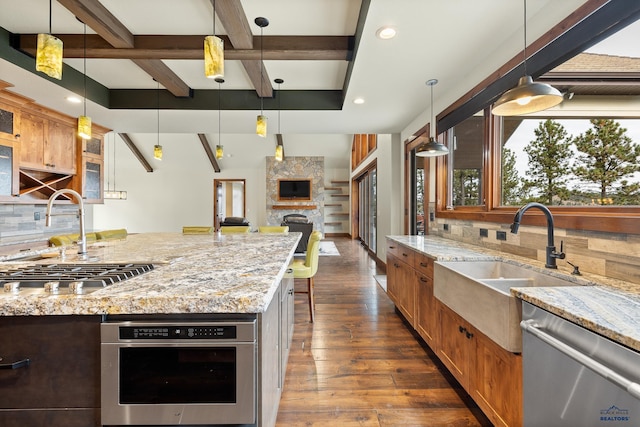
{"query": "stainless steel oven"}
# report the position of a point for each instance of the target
(171, 373)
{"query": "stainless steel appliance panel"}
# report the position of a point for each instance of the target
(156, 373)
(574, 377)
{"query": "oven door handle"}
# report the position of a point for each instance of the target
(604, 371)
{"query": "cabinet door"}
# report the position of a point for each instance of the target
(393, 266)
(9, 122)
(32, 135)
(426, 310)
(498, 383)
(8, 169)
(456, 344)
(60, 148)
(92, 178)
(65, 363)
(407, 292)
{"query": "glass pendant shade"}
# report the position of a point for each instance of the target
(49, 56)
(84, 127)
(219, 151)
(261, 125)
(432, 149)
(213, 57)
(527, 97)
(157, 152)
(279, 153)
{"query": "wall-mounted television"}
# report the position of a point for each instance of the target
(294, 189)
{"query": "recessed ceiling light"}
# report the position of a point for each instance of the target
(386, 33)
(73, 99)
(358, 101)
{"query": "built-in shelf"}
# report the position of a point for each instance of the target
(335, 217)
(335, 223)
(332, 205)
(340, 182)
(338, 214)
(339, 195)
(283, 207)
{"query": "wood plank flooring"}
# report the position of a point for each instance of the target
(358, 364)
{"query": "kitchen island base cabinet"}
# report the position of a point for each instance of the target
(61, 385)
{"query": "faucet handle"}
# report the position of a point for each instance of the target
(561, 254)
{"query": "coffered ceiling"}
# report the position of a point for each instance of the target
(326, 51)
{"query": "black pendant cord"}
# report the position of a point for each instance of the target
(524, 51)
(85, 69)
(158, 102)
(50, 12)
(214, 17)
(219, 112)
(261, 70)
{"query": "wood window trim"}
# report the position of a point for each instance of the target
(616, 219)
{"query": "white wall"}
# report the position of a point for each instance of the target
(180, 189)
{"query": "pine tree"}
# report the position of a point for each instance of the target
(511, 188)
(608, 156)
(549, 163)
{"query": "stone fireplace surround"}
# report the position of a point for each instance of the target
(296, 168)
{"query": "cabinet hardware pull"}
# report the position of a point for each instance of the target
(424, 279)
(461, 329)
(403, 254)
(469, 335)
(424, 264)
(15, 365)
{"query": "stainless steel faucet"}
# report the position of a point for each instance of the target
(552, 255)
(82, 243)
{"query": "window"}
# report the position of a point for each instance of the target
(570, 162)
(368, 207)
(582, 158)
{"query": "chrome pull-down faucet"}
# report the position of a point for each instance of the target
(82, 243)
(551, 253)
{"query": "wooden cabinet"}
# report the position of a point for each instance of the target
(490, 374)
(9, 122)
(426, 308)
(401, 287)
(9, 184)
(61, 385)
(498, 383)
(47, 145)
(457, 345)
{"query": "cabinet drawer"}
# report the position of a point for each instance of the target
(402, 253)
(423, 264)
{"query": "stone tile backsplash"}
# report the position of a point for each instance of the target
(20, 220)
(607, 254)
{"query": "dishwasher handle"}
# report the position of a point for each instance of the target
(604, 371)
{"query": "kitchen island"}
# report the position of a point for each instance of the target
(197, 277)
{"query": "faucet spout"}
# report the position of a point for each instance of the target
(551, 254)
(82, 243)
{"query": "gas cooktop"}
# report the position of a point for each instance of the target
(75, 278)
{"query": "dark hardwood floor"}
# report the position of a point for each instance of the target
(358, 364)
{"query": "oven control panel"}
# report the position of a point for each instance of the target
(177, 332)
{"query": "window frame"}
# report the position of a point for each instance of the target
(619, 219)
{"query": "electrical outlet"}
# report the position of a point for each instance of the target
(501, 235)
(484, 232)
(446, 227)
(36, 216)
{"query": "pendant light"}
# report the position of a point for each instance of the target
(219, 146)
(214, 52)
(261, 121)
(528, 96)
(157, 149)
(49, 53)
(84, 122)
(432, 148)
(279, 155)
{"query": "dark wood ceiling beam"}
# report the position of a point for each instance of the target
(134, 149)
(163, 74)
(279, 48)
(107, 26)
(100, 20)
(209, 151)
(255, 71)
(234, 20)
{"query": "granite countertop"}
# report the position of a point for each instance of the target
(606, 306)
(193, 274)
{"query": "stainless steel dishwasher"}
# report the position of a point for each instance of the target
(575, 377)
